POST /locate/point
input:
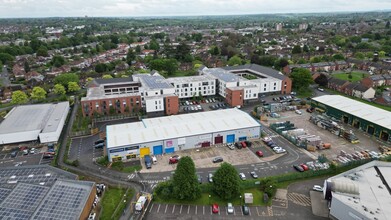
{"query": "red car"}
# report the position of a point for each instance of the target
(305, 167)
(174, 159)
(244, 145)
(259, 153)
(215, 208)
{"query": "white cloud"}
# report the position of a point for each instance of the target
(98, 8)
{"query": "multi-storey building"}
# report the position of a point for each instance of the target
(191, 86)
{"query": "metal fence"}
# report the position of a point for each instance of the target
(114, 117)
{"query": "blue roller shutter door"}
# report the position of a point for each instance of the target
(231, 138)
(170, 150)
(242, 138)
(157, 150)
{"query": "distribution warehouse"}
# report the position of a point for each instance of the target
(373, 120)
(179, 132)
(43, 122)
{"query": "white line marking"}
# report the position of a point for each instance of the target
(196, 210)
(180, 210)
(151, 208)
(158, 208)
(173, 209)
(203, 210)
(188, 210)
(166, 208)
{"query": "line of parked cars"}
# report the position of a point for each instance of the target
(286, 98)
(218, 106)
(192, 108)
(357, 155)
(277, 149)
(230, 209)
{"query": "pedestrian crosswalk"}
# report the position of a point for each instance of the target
(299, 199)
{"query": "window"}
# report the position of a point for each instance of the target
(264, 89)
(275, 83)
(155, 102)
(274, 88)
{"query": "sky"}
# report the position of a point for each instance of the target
(137, 8)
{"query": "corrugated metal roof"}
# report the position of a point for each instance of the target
(177, 126)
(361, 110)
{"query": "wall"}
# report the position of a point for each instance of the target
(234, 97)
(339, 210)
(154, 104)
(286, 86)
(171, 105)
(102, 106)
(87, 207)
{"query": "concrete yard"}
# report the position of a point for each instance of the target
(337, 143)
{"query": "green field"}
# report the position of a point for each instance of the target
(113, 201)
(356, 76)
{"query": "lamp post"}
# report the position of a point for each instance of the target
(209, 200)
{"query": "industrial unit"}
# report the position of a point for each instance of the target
(169, 134)
(361, 193)
(374, 121)
(43, 122)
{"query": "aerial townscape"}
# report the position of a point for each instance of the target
(131, 110)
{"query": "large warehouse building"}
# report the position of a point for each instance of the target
(361, 193)
(168, 134)
(374, 121)
(43, 122)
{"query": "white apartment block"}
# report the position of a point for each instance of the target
(188, 87)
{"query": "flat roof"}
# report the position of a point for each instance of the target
(155, 81)
(33, 117)
(177, 126)
(190, 79)
(257, 70)
(222, 74)
(373, 194)
(361, 110)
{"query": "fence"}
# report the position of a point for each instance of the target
(114, 117)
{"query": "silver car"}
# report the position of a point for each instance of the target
(230, 208)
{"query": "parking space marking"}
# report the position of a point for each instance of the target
(188, 210)
(151, 208)
(203, 210)
(180, 210)
(158, 208)
(241, 210)
(249, 211)
(166, 208)
(257, 210)
(196, 210)
(173, 209)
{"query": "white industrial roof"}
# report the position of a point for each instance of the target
(367, 112)
(190, 79)
(163, 128)
(373, 194)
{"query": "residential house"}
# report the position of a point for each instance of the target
(341, 65)
(359, 64)
(363, 92)
(337, 84)
(385, 99)
(324, 66)
(18, 71)
(374, 81)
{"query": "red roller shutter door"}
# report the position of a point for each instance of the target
(219, 140)
(205, 144)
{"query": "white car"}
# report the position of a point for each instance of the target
(317, 188)
(320, 89)
(210, 177)
(230, 208)
(298, 112)
(231, 146)
(199, 107)
(92, 216)
(242, 176)
(279, 150)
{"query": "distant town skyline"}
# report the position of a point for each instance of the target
(140, 8)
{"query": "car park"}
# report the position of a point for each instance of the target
(298, 168)
(246, 210)
(14, 153)
(242, 176)
(254, 174)
(210, 177)
(215, 208)
(259, 153)
(317, 188)
(217, 160)
(230, 208)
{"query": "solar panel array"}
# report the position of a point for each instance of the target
(64, 201)
(22, 201)
(4, 193)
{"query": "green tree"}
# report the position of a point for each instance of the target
(215, 50)
(138, 49)
(6, 58)
(182, 51)
(107, 76)
(59, 89)
(38, 93)
(382, 54)
(388, 24)
(321, 80)
(100, 68)
(65, 78)
(235, 61)
(73, 87)
(338, 56)
(226, 182)
(296, 49)
(42, 51)
(19, 97)
(130, 56)
(58, 61)
(359, 55)
(185, 182)
(26, 66)
(281, 63)
(306, 48)
(168, 65)
(301, 78)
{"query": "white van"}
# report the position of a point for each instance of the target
(154, 160)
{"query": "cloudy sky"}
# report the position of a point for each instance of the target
(102, 8)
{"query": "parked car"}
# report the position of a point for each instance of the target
(248, 143)
(231, 146)
(320, 89)
(99, 141)
(25, 151)
(305, 167)
(242, 176)
(33, 151)
(254, 174)
(215, 208)
(317, 188)
(217, 160)
(238, 145)
(244, 145)
(298, 112)
(199, 178)
(91, 216)
(174, 159)
(210, 177)
(279, 150)
(14, 153)
(98, 146)
(298, 168)
(246, 210)
(22, 148)
(230, 208)
(259, 153)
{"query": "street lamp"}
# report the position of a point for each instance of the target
(209, 199)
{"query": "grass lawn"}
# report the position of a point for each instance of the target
(304, 93)
(204, 200)
(131, 169)
(111, 199)
(356, 76)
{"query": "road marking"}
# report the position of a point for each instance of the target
(196, 210)
(257, 210)
(131, 176)
(180, 210)
(211, 210)
(249, 211)
(241, 210)
(188, 210)
(158, 208)
(270, 210)
(151, 208)
(41, 159)
(244, 168)
(166, 208)
(203, 210)
(173, 209)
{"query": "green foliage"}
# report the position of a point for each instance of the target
(281, 63)
(215, 50)
(65, 78)
(117, 165)
(58, 61)
(165, 190)
(26, 66)
(6, 58)
(301, 78)
(100, 68)
(338, 56)
(268, 185)
(186, 186)
(168, 65)
(296, 49)
(267, 60)
(235, 61)
(73, 87)
(107, 76)
(321, 80)
(104, 161)
(19, 97)
(59, 89)
(130, 56)
(42, 51)
(226, 181)
(38, 93)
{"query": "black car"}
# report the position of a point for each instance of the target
(14, 153)
(100, 141)
(246, 210)
(248, 143)
(238, 145)
(217, 160)
(298, 168)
